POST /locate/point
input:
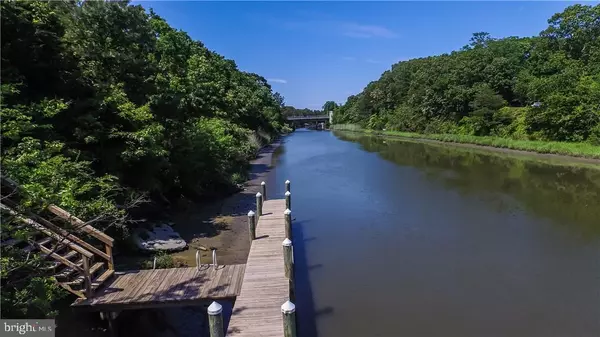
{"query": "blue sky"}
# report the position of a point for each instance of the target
(312, 52)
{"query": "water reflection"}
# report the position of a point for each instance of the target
(567, 195)
(407, 239)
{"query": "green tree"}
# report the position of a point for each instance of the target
(329, 106)
(550, 79)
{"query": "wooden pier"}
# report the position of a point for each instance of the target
(257, 310)
(262, 288)
(166, 287)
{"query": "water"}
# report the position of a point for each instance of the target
(396, 238)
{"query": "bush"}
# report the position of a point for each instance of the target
(254, 142)
(472, 126)
(163, 261)
(510, 122)
(595, 135)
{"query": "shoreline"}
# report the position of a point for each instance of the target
(491, 148)
(223, 224)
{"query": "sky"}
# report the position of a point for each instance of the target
(312, 52)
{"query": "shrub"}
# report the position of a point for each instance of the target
(163, 261)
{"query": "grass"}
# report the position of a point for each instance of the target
(585, 150)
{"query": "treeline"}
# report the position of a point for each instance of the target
(291, 111)
(103, 102)
(545, 87)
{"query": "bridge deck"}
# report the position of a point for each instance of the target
(306, 118)
(166, 287)
(257, 310)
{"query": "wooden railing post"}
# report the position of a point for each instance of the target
(287, 214)
(215, 320)
(288, 200)
(258, 204)
(108, 250)
(198, 261)
(214, 257)
(287, 186)
(252, 225)
(289, 319)
(263, 186)
(87, 276)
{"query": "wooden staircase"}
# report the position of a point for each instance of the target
(80, 266)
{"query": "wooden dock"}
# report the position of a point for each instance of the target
(166, 287)
(257, 310)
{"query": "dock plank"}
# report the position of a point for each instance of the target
(257, 310)
(260, 285)
(165, 287)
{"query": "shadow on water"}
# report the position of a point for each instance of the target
(307, 313)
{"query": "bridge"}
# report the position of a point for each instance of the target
(316, 120)
(259, 288)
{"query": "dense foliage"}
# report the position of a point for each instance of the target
(292, 111)
(102, 101)
(289, 111)
(542, 88)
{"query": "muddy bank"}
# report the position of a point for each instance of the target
(223, 224)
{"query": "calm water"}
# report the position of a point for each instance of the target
(400, 238)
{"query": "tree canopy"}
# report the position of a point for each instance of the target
(103, 100)
(545, 87)
(289, 111)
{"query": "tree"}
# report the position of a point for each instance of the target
(329, 106)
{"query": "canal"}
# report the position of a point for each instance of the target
(396, 238)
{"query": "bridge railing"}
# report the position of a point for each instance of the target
(297, 118)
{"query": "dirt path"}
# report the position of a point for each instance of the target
(223, 224)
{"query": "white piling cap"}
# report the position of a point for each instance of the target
(215, 308)
(250, 213)
(288, 307)
(287, 212)
(287, 242)
(287, 181)
(288, 193)
(258, 195)
(263, 183)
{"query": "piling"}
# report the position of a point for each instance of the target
(289, 319)
(288, 258)
(287, 186)
(215, 320)
(288, 200)
(288, 262)
(263, 187)
(258, 204)
(287, 214)
(252, 225)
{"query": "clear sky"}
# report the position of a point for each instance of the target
(312, 52)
